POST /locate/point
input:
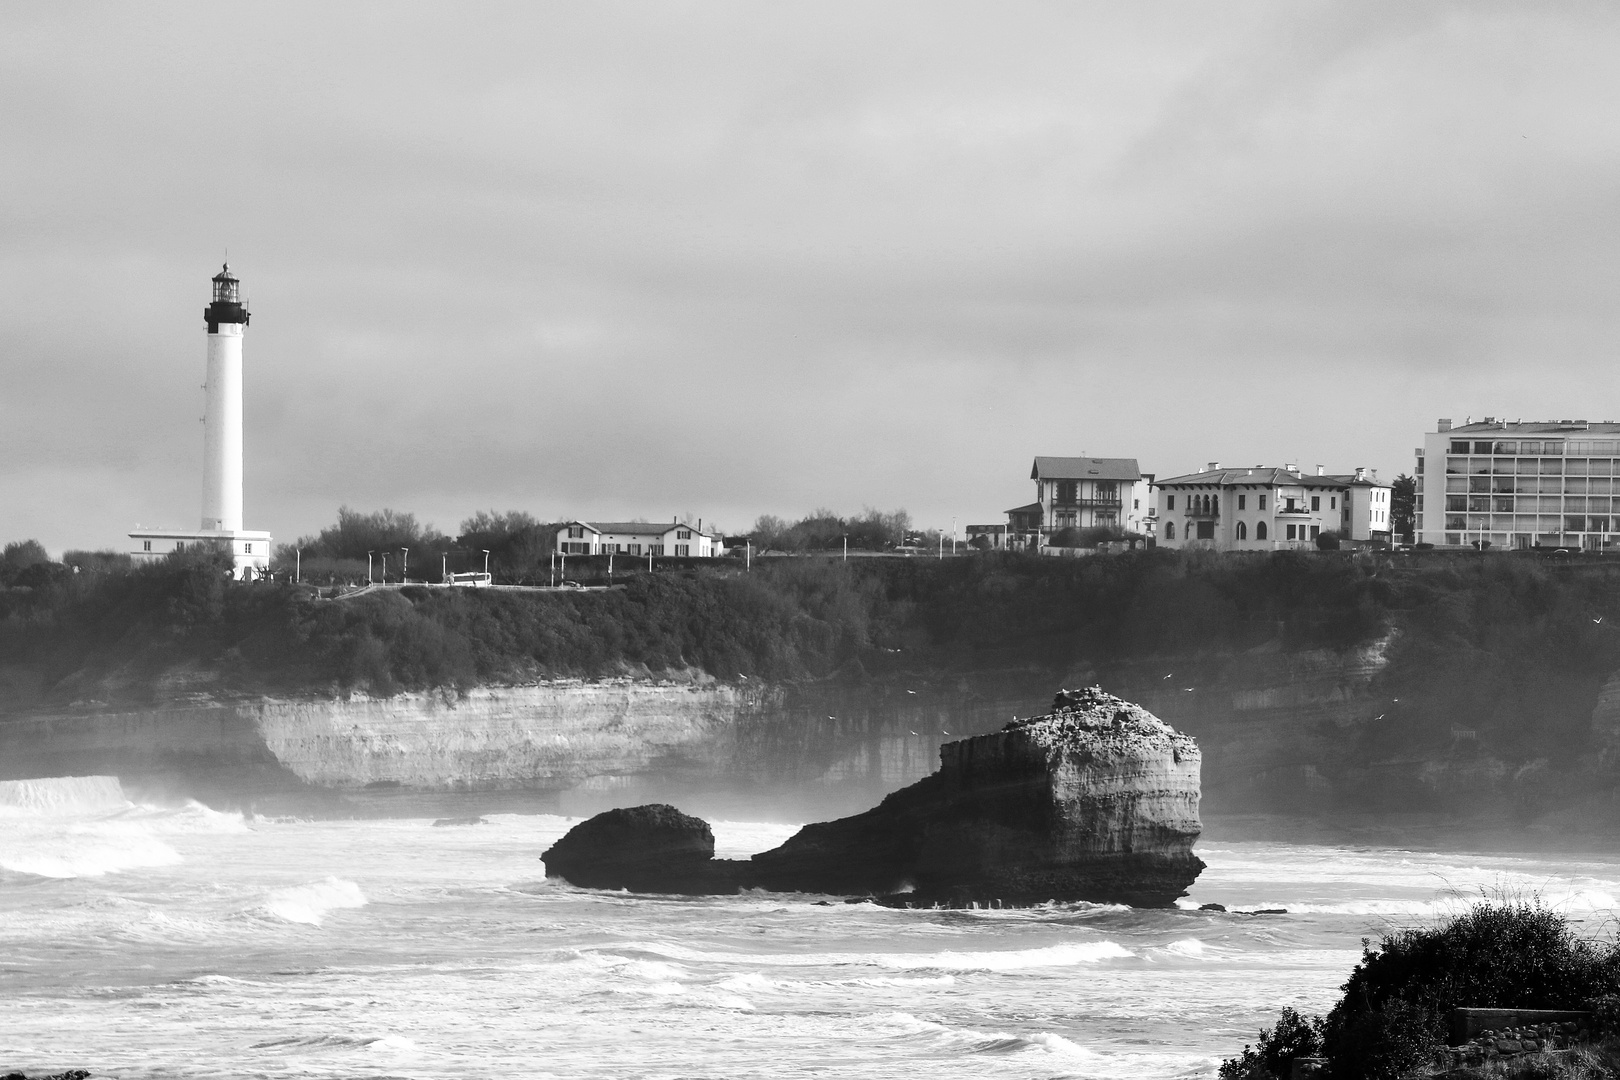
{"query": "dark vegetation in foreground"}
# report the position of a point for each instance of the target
(1391, 1020)
(1493, 631)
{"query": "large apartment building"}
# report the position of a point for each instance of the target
(1519, 484)
(1082, 493)
(1266, 508)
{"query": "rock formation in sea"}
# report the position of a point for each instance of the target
(1097, 800)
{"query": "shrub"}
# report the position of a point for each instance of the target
(1272, 1056)
(1515, 954)
(1328, 541)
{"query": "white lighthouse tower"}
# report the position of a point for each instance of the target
(227, 319)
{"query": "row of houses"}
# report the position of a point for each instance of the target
(1260, 508)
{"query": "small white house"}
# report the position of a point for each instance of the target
(251, 550)
(635, 538)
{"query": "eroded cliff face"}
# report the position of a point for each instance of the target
(557, 734)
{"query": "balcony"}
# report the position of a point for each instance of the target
(1087, 504)
(1295, 511)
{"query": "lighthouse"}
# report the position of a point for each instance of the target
(227, 319)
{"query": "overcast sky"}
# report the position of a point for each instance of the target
(609, 261)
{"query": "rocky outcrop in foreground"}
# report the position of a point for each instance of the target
(1096, 801)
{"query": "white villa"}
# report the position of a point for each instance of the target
(1265, 508)
(638, 538)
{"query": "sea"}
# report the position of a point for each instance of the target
(179, 941)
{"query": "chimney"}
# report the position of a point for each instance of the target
(1320, 471)
(1214, 466)
(1291, 467)
(1361, 472)
(1445, 425)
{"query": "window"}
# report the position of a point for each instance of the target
(1482, 448)
(635, 549)
(655, 549)
(1316, 530)
(146, 545)
(179, 545)
(1064, 491)
(1136, 504)
(1316, 502)
(247, 549)
(1242, 529)
(1291, 530)
(1333, 502)
(1169, 502)
(1242, 500)
(683, 549)
(683, 534)
(1170, 528)
(1262, 506)
(1289, 509)
(1260, 526)
(576, 531)
(1206, 530)
(1459, 446)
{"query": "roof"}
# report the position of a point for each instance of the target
(1030, 508)
(1085, 468)
(1370, 479)
(1260, 475)
(641, 528)
(1537, 427)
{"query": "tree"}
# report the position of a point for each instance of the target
(1328, 540)
(21, 554)
(1403, 507)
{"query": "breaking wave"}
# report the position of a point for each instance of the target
(309, 904)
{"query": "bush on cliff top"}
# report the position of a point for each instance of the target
(1391, 1016)
(1476, 638)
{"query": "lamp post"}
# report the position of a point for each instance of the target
(486, 564)
(298, 565)
(444, 567)
(369, 578)
(384, 556)
(405, 571)
(846, 547)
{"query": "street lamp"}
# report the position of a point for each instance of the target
(384, 556)
(405, 573)
(369, 578)
(486, 564)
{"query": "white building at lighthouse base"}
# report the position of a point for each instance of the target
(250, 550)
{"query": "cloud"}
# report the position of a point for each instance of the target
(733, 259)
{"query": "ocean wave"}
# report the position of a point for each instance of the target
(310, 903)
(83, 854)
(374, 1043)
(62, 795)
(1066, 954)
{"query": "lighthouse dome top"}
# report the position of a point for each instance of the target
(226, 286)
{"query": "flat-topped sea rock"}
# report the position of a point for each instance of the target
(1097, 800)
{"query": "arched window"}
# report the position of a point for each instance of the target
(1260, 530)
(1242, 531)
(1169, 530)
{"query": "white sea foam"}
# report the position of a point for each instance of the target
(81, 853)
(1061, 955)
(60, 795)
(310, 903)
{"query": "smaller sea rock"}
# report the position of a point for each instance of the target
(1211, 907)
(447, 821)
(652, 848)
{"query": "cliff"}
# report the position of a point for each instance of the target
(1096, 801)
